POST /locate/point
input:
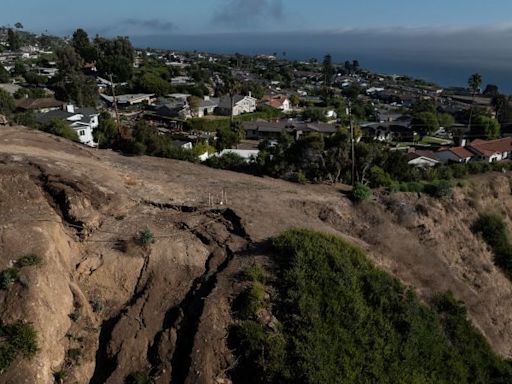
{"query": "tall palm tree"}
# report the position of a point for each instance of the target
(474, 82)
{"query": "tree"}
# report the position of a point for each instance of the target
(106, 135)
(194, 103)
(425, 122)
(474, 83)
(68, 60)
(18, 25)
(486, 127)
(5, 77)
(13, 40)
(83, 46)
(491, 90)
(76, 87)
(501, 104)
(7, 104)
(446, 120)
(328, 70)
(295, 100)
(150, 82)
(60, 128)
(115, 57)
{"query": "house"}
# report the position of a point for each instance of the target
(455, 155)
(280, 102)
(236, 105)
(182, 144)
(172, 108)
(129, 100)
(83, 121)
(206, 106)
(492, 150)
(39, 105)
(262, 129)
(422, 159)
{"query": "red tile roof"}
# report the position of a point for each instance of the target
(275, 101)
(491, 147)
(460, 152)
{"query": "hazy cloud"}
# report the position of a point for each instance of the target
(240, 13)
(150, 24)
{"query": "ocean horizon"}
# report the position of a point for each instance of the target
(446, 60)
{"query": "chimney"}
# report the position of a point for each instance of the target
(463, 142)
(250, 94)
(206, 98)
(70, 108)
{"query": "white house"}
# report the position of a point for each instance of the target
(422, 159)
(492, 150)
(237, 105)
(83, 121)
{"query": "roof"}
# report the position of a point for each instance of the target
(225, 101)
(460, 152)
(275, 101)
(48, 102)
(129, 98)
(244, 153)
(491, 147)
(85, 114)
(416, 154)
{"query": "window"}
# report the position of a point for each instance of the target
(81, 133)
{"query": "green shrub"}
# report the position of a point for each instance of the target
(493, 229)
(380, 178)
(76, 315)
(145, 237)
(8, 278)
(138, 378)
(345, 321)
(29, 261)
(255, 273)
(61, 128)
(17, 340)
(439, 188)
(250, 301)
(361, 192)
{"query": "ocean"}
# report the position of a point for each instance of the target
(445, 59)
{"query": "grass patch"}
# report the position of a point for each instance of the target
(29, 261)
(342, 320)
(16, 340)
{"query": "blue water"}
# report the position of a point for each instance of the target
(447, 60)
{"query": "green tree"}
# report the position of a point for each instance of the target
(83, 46)
(474, 83)
(150, 82)
(7, 103)
(5, 76)
(425, 122)
(115, 57)
(446, 120)
(61, 128)
(13, 39)
(68, 60)
(107, 134)
(486, 127)
(328, 70)
(18, 25)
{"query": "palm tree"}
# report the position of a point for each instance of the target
(474, 82)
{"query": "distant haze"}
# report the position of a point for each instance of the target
(446, 57)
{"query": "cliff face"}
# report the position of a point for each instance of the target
(106, 305)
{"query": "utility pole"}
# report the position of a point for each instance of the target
(118, 120)
(352, 146)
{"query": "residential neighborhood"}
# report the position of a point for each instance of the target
(243, 105)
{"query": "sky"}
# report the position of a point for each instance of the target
(438, 40)
(190, 17)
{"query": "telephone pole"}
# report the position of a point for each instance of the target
(118, 121)
(352, 146)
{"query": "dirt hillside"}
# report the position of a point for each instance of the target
(106, 305)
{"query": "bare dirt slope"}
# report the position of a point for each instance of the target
(164, 308)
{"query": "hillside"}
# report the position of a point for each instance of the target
(107, 302)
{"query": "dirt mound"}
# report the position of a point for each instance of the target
(139, 269)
